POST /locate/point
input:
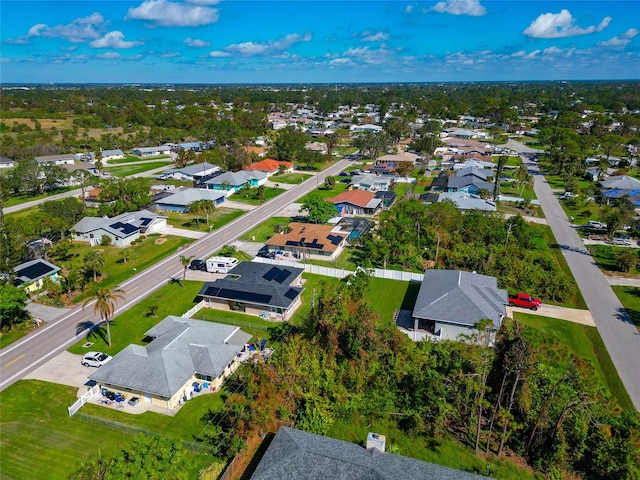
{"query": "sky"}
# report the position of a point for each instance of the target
(329, 41)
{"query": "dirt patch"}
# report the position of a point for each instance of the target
(160, 241)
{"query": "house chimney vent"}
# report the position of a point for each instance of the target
(375, 441)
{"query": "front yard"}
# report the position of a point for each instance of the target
(220, 217)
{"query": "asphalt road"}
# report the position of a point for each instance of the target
(616, 328)
(36, 348)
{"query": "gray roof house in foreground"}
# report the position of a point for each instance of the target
(180, 201)
(294, 455)
(182, 351)
(192, 172)
(622, 182)
(121, 229)
(468, 201)
(451, 302)
(269, 291)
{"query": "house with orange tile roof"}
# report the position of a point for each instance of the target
(357, 202)
(309, 240)
(270, 166)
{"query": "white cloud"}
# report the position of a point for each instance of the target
(113, 40)
(560, 25)
(265, 48)
(196, 43)
(108, 55)
(173, 14)
(79, 30)
(169, 55)
(374, 37)
(461, 7)
(408, 9)
(621, 40)
(133, 58)
(219, 54)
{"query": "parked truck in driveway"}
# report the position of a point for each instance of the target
(525, 301)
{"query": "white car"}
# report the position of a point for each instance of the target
(621, 241)
(596, 225)
(567, 195)
(95, 359)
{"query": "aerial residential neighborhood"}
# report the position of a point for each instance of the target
(347, 270)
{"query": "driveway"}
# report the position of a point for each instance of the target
(574, 315)
(64, 368)
(182, 232)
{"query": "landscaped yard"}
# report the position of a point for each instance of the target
(220, 217)
(149, 251)
(559, 337)
(40, 440)
(126, 170)
(251, 196)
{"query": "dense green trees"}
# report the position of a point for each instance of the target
(318, 209)
(13, 301)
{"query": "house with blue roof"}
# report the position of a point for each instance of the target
(232, 182)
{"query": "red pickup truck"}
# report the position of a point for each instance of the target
(525, 301)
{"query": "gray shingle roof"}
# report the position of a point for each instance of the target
(256, 283)
(467, 201)
(481, 173)
(190, 195)
(120, 226)
(461, 182)
(623, 182)
(181, 348)
(195, 169)
(462, 298)
(294, 455)
(237, 178)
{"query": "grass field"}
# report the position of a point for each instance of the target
(327, 193)
(126, 170)
(250, 196)
(39, 440)
(141, 255)
(605, 258)
(559, 337)
(17, 200)
(292, 178)
(217, 219)
(630, 299)
(133, 158)
(265, 230)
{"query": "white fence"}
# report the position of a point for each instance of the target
(189, 313)
(341, 273)
(92, 392)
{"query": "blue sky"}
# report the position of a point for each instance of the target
(209, 41)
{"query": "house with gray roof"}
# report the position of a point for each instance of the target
(294, 455)
(65, 159)
(192, 172)
(451, 302)
(112, 154)
(180, 201)
(470, 180)
(152, 151)
(272, 292)
(371, 183)
(6, 162)
(121, 229)
(468, 201)
(31, 275)
(183, 351)
(620, 182)
(232, 182)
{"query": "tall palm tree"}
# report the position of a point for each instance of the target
(185, 261)
(94, 261)
(106, 299)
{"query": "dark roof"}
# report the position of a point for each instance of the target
(386, 194)
(429, 197)
(33, 270)
(257, 283)
(294, 454)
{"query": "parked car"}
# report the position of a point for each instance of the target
(198, 265)
(596, 225)
(525, 301)
(567, 195)
(95, 359)
(343, 174)
(162, 177)
(621, 241)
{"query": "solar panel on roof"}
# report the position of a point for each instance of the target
(34, 271)
(145, 221)
(292, 294)
(125, 228)
(334, 239)
(245, 296)
(277, 274)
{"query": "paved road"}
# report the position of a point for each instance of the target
(35, 349)
(618, 332)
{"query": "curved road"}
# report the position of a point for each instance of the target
(619, 334)
(36, 348)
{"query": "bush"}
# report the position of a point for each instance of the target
(105, 241)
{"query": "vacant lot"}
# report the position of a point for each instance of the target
(126, 170)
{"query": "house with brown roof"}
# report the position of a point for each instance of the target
(270, 166)
(357, 202)
(309, 240)
(259, 151)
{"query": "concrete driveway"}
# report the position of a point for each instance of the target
(64, 368)
(574, 315)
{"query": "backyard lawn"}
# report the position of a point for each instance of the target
(39, 440)
(559, 338)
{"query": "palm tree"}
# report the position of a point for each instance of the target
(105, 298)
(94, 261)
(185, 261)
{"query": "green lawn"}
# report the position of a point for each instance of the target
(217, 219)
(630, 299)
(130, 326)
(292, 178)
(15, 334)
(126, 170)
(134, 158)
(559, 337)
(141, 255)
(446, 452)
(264, 231)
(250, 196)
(17, 200)
(348, 260)
(327, 193)
(386, 296)
(39, 440)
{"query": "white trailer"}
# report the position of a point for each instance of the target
(221, 264)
